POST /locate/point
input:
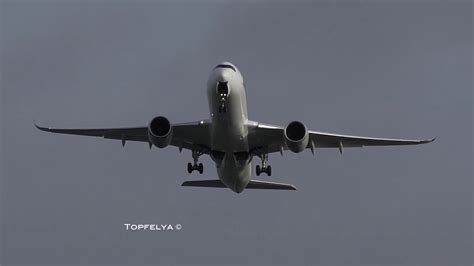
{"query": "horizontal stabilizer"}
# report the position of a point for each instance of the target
(203, 183)
(257, 184)
(253, 184)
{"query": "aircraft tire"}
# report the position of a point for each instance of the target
(200, 168)
(190, 168)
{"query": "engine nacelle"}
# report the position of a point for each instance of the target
(296, 136)
(160, 131)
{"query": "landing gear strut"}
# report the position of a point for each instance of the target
(198, 167)
(264, 168)
(223, 106)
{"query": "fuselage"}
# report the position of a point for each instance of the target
(229, 131)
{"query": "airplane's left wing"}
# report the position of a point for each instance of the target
(192, 135)
(124, 134)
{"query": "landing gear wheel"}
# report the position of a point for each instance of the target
(190, 168)
(264, 168)
(196, 166)
(200, 168)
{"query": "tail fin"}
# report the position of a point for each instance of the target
(253, 184)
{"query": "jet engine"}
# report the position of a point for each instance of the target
(160, 131)
(296, 136)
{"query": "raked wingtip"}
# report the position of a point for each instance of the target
(425, 141)
(39, 127)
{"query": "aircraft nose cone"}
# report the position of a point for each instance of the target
(224, 75)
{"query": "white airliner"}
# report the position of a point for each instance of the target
(230, 138)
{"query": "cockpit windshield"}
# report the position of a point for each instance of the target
(225, 66)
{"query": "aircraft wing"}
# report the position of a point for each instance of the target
(265, 138)
(192, 135)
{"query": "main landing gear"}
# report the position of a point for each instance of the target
(198, 167)
(264, 168)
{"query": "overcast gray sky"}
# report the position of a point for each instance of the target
(378, 68)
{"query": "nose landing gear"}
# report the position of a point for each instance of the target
(223, 92)
(223, 106)
(198, 167)
(264, 168)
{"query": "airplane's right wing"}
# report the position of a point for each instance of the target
(330, 140)
(265, 138)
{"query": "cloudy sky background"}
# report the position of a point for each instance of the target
(378, 68)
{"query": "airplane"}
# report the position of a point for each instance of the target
(230, 138)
